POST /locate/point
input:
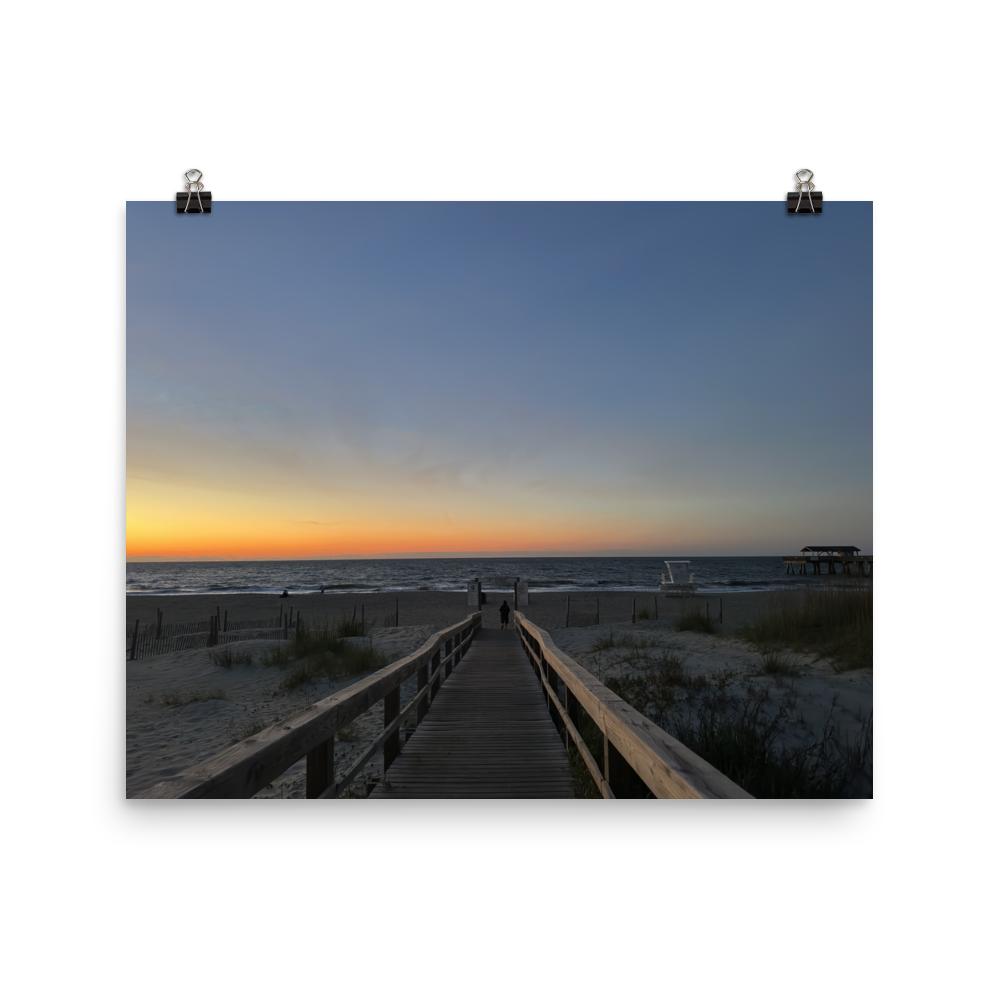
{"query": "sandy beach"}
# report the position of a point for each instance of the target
(181, 708)
(546, 608)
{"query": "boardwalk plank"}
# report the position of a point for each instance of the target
(488, 733)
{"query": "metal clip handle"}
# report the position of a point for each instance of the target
(192, 181)
(807, 183)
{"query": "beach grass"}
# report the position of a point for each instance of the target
(322, 650)
(834, 622)
(694, 621)
(736, 738)
(623, 640)
(776, 663)
(247, 726)
(229, 657)
(745, 745)
(178, 699)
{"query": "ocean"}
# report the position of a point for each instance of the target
(712, 574)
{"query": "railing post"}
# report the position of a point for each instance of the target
(573, 711)
(423, 704)
(618, 773)
(553, 678)
(448, 647)
(390, 750)
(319, 769)
(435, 663)
(615, 769)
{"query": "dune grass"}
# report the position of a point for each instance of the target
(745, 746)
(322, 650)
(178, 699)
(229, 657)
(247, 726)
(694, 621)
(741, 735)
(737, 738)
(776, 663)
(624, 640)
(834, 622)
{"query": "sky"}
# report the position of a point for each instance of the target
(329, 379)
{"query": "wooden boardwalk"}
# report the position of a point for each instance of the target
(487, 735)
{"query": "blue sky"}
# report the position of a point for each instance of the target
(324, 379)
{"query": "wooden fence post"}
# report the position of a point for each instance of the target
(225, 622)
(135, 635)
(633, 610)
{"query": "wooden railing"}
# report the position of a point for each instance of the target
(242, 770)
(636, 750)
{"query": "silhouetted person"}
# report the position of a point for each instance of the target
(504, 614)
(285, 593)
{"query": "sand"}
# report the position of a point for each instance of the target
(546, 608)
(163, 740)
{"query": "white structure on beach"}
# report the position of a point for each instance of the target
(677, 577)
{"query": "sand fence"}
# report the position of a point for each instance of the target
(151, 639)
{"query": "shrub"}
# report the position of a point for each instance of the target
(694, 621)
(835, 622)
(229, 657)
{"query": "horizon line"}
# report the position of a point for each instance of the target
(501, 554)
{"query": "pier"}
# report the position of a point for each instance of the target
(847, 557)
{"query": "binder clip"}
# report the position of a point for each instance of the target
(201, 204)
(813, 205)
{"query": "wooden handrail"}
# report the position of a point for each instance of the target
(242, 770)
(668, 768)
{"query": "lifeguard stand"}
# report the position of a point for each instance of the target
(678, 578)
